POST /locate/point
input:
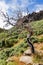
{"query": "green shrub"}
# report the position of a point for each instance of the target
(22, 35)
(0, 44)
(3, 62)
(8, 43)
(41, 39)
(34, 39)
(15, 33)
(15, 40)
(12, 63)
(4, 54)
(25, 40)
(3, 42)
(14, 37)
(37, 27)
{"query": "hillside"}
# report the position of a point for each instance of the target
(2, 30)
(14, 43)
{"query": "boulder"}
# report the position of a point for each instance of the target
(28, 52)
(26, 59)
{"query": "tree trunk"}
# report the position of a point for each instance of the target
(30, 44)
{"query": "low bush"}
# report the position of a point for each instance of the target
(22, 36)
(8, 43)
(41, 39)
(34, 39)
(4, 54)
(37, 27)
(12, 63)
(0, 44)
(3, 62)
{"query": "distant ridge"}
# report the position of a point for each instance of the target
(31, 17)
(35, 16)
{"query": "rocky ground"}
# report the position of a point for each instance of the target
(28, 58)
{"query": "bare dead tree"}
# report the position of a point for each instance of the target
(28, 27)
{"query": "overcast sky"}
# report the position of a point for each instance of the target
(12, 5)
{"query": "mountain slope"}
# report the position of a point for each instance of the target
(14, 41)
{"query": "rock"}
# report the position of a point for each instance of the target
(13, 58)
(35, 63)
(28, 52)
(9, 59)
(26, 59)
